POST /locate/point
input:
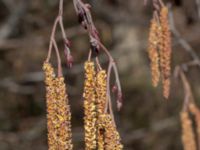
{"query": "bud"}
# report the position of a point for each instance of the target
(119, 100)
(88, 6)
(68, 56)
(114, 89)
(67, 43)
(80, 17)
(70, 60)
(94, 47)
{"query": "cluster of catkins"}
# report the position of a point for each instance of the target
(188, 132)
(159, 50)
(100, 128)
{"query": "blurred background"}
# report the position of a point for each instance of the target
(146, 122)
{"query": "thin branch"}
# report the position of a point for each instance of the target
(198, 7)
(59, 21)
(187, 88)
(10, 24)
(85, 19)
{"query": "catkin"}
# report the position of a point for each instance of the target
(165, 51)
(101, 81)
(196, 112)
(111, 136)
(50, 100)
(188, 137)
(101, 104)
(153, 52)
(58, 111)
(63, 116)
(90, 117)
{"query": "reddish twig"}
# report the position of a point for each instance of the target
(53, 43)
(85, 19)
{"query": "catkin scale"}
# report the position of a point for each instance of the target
(90, 117)
(188, 137)
(153, 52)
(58, 111)
(165, 51)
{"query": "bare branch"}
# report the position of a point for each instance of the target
(181, 41)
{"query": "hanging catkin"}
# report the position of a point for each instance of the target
(58, 111)
(188, 137)
(112, 139)
(101, 104)
(153, 52)
(90, 117)
(165, 51)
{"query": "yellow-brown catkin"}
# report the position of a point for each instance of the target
(165, 51)
(101, 89)
(90, 117)
(188, 137)
(50, 100)
(196, 112)
(153, 52)
(58, 111)
(63, 116)
(111, 136)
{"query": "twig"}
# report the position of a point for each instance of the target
(198, 7)
(58, 21)
(7, 28)
(85, 18)
(188, 98)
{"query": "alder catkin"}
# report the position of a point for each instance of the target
(196, 112)
(63, 117)
(51, 107)
(101, 81)
(101, 88)
(153, 52)
(112, 140)
(90, 117)
(58, 111)
(188, 137)
(165, 51)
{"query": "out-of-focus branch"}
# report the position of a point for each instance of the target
(198, 7)
(10, 4)
(7, 28)
(183, 42)
(36, 38)
(12, 85)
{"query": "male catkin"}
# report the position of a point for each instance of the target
(90, 113)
